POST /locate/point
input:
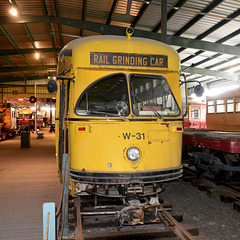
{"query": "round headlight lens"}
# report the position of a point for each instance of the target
(133, 154)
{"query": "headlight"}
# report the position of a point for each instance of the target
(133, 154)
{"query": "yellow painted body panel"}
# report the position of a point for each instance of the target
(115, 44)
(103, 148)
(99, 144)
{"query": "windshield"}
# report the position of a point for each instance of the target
(152, 94)
(105, 97)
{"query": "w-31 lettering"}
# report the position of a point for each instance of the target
(138, 136)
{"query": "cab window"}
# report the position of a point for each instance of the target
(152, 93)
(107, 96)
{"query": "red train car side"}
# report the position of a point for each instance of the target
(217, 148)
(196, 117)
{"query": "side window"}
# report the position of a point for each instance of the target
(210, 106)
(195, 112)
(230, 106)
(220, 106)
(105, 97)
(237, 103)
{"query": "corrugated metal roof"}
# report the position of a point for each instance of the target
(43, 35)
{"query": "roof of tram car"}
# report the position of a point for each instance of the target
(119, 51)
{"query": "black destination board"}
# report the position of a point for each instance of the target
(128, 59)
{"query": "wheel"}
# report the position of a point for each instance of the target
(10, 134)
(223, 175)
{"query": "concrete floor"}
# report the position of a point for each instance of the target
(28, 178)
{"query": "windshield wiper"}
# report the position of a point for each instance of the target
(106, 113)
(151, 108)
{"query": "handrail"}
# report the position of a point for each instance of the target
(47, 226)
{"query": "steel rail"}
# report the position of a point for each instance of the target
(79, 229)
(174, 226)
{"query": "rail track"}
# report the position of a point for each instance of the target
(227, 191)
(90, 222)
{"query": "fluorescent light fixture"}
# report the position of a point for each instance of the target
(37, 55)
(36, 43)
(220, 90)
(47, 109)
(13, 11)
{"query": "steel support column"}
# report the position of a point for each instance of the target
(2, 88)
(35, 94)
(50, 122)
(164, 21)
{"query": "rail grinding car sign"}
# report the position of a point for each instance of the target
(128, 59)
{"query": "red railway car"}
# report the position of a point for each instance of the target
(217, 148)
(196, 117)
(25, 120)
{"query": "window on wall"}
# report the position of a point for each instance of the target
(237, 103)
(210, 106)
(195, 112)
(230, 106)
(220, 106)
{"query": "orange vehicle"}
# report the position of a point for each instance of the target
(25, 120)
(8, 118)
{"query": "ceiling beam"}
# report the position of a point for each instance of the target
(172, 40)
(207, 72)
(164, 21)
(112, 11)
(84, 12)
(45, 11)
(171, 13)
(204, 45)
(56, 5)
(21, 85)
(7, 52)
(14, 45)
(211, 30)
(27, 68)
(116, 30)
(28, 34)
(186, 69)
(231, 35)
(21, 79)
(141, 12)
(205, 11)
